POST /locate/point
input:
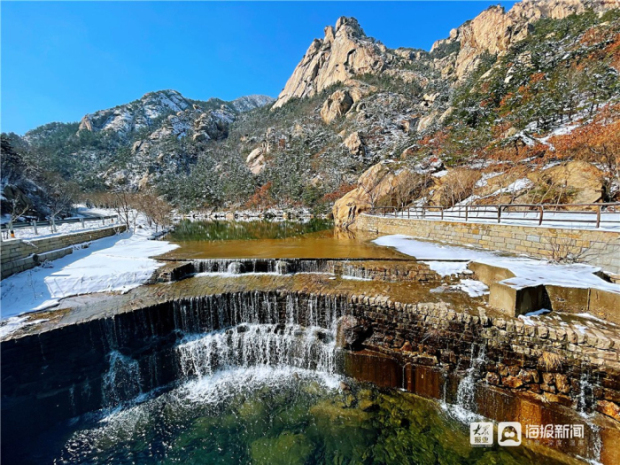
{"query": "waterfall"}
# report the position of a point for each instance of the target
(585, 403)
(275, 345)
(585, 400)
(235, 268)
(464, 409)
(349, 270)
(262, 265)
(122, 380)
(216, 333)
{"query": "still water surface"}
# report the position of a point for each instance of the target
(268, 239)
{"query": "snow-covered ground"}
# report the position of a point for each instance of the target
(527, 271)
(115, 263)
(572, 220)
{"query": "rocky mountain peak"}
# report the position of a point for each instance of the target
(153, 106)
(137, 114)
(344, 52)
(349, 26)
(495, 30)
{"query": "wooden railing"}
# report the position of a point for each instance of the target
(595, 214)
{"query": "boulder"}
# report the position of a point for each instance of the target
(426, 122)
(256, 160)
(409, 124)
(379, 186)
(582, 179)
(355, 144)
(144, 182)
(608, 408)
(336, 106)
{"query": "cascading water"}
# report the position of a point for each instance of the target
(351, 271)
(229, 331)
(464, 408)
(585, 402)
(258, 330)
(247, 346)
(122, 380)
(262, 265)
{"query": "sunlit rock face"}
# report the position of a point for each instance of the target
(343, 53)
(495, 30)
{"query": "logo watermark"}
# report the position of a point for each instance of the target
(509, 433)
(481, 434)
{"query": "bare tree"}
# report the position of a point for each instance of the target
(61, 195)
(457, 186)
(19, 206)
(158, 212)
(123, 202)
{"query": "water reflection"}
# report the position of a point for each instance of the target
(188, 230)
(268, 239)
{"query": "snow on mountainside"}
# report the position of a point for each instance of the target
(137, 143)
(250, 102)
(470, 119)
(136, 115)
(145, 112)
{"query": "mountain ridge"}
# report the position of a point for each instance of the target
(352, 104)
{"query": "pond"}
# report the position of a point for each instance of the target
(272, 239)
(270, 416)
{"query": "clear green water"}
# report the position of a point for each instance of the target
(266, 416)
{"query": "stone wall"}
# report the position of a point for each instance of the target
(20, 255)
(425, 348)
(599, 248)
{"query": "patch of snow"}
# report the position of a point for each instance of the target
(61, 229)
(10, 325)
(354, 278)
(589, 316)
(447, 268)
(482, 182)
(527, 271)
(440, 174)
(580, 328)
(472, 287)
(115, 263)
(518, 185)
(527, 318)
(468, 201)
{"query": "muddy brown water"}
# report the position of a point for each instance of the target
(321, 244)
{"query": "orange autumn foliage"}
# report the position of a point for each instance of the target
(262, 197)
(597, 142)
(338, 193)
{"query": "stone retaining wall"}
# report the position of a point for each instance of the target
(19, 255)
(599, 248)
(425, 348)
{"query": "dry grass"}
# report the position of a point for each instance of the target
(551, 362)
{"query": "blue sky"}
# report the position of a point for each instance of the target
(63, 60)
